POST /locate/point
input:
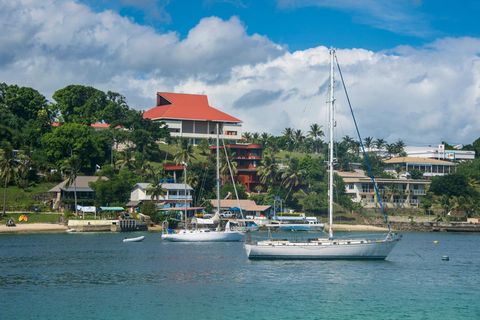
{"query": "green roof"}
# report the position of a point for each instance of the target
(112, 208)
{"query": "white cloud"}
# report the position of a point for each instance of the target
(422, 95)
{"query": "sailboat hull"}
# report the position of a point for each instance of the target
(204, 236)
(328, 250)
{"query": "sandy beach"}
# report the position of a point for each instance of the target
(33, 228)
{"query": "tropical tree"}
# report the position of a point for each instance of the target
(126, 159)
(265, 139)
(380, 143)
(156, 190)
(368, 143)
(185, 152)
(316, 133)
(24, 164)
(225, 167)
(247, 136)
(292, 176)
(255, 137)
(288, 136)
(71, 167)
(7, 171)
(268, 169)
(298, 138)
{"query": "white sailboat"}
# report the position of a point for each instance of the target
(326, 248)
(205, 234)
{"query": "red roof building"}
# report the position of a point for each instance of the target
(248, 158)
(191, 116)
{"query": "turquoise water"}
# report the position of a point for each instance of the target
(97, 276)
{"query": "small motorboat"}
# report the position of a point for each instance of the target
(137, 239)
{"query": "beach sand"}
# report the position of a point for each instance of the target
(33, 228)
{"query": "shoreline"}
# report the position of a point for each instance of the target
(337, 227)
(34, 228)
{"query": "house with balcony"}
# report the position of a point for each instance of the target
(176, 197)
(190, 116)
(248, 157)
(395, 193)
(429, 167)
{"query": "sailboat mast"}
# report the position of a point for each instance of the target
(330, 158)
(218, 168)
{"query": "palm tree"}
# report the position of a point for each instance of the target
(380, 143)
(24, 163)
(71, 167)
(349, 143)
(268, 169)
(247, 136)
(185, 152)
(288, 135)
(316, 133)
(368, 142)
(156, 190)
(298, 138)
(265, 139)
(399, 147)
(255, 137)
(126, 159)
(225, 167)
(7, 172)
(292, 176)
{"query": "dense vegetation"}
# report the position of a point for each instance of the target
(35, 152)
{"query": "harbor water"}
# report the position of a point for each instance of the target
(97, 276)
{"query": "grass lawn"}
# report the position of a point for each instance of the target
(33, 218)
(19, 199)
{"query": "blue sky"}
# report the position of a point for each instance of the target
(412, 67)
(369, 24)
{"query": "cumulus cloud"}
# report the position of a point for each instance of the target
(419, 94)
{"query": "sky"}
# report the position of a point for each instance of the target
(412, 67)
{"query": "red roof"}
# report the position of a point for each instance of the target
(184, 106)
(99, 125)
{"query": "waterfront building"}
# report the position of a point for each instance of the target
(439, 152)
(191, 116)
(248, 157)
(174, 197)
(63, 194)
(249, 207)
(429, 167)
(395, 193)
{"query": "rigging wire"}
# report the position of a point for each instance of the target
(365, 155)
(231, 176)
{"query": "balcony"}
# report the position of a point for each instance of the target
(418, 192)
(177, 197)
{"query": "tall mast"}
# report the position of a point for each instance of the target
(218, 169)
(185, 190)
(330, 158)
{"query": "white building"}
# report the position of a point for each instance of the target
(174, 197)
(439, 152)
(190, 116)
(429, 167)
(395, 193)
